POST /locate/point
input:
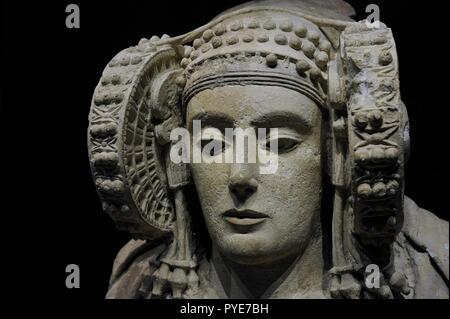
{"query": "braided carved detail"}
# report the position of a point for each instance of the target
(126, 160)
(376, 141)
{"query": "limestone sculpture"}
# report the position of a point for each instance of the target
(334, 208)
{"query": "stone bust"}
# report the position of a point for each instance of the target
(335, 206)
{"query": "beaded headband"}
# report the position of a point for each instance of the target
(252, 49)
(136, 105)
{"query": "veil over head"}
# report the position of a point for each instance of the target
(348, 68)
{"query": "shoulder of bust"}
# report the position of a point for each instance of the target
(132, 267)
(429, 234)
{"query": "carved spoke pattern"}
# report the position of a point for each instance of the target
(127, 167)
(142, 163)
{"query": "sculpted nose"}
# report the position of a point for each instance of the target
(242, 183)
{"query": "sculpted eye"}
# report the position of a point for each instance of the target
(212, 142)
(212, 147)
(285, 144)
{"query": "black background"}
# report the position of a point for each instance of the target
(50, 213)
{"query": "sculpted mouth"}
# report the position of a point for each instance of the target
(244, 217)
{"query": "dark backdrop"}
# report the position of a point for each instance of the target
(50, 213)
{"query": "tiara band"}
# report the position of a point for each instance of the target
(253, 78)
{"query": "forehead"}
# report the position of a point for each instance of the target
(245, 104)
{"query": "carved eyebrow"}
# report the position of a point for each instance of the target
(283, 119)
(218, 120)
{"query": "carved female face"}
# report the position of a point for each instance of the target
(251, 217)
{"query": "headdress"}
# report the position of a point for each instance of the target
(348, 68)
(283, 50)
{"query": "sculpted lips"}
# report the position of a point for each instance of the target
(244, 217)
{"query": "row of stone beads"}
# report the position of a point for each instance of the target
(303, 39)
(320, 57)
(308, 48)
(376, 155)
(302, 66)
(378, 189)
(286, 26)
(134, 53)
(128, 58)
(109, 93)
